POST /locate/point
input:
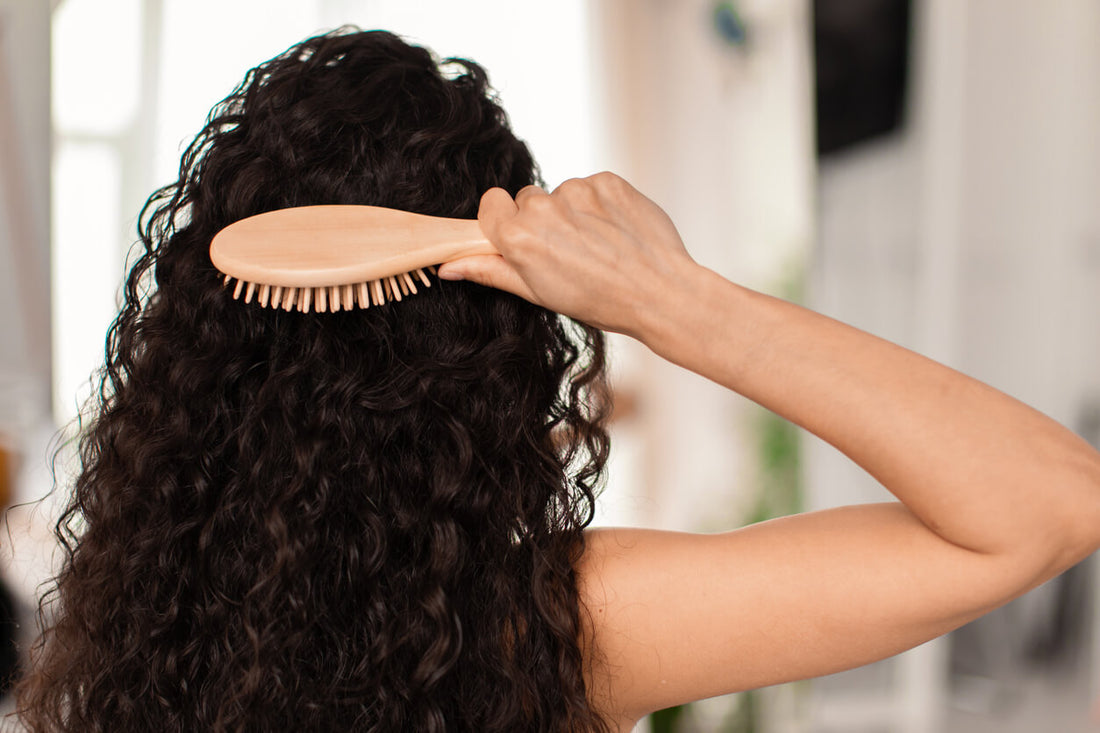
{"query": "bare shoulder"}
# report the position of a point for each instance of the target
(629, 580)
(605, 578)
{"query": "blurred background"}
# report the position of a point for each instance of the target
(927, 171)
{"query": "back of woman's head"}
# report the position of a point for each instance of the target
(362, 520)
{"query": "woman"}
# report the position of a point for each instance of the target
(374, 520)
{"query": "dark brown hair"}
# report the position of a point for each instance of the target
(361, 520)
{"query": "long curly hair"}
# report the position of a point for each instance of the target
(365, 520)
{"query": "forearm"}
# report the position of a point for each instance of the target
(977, 467)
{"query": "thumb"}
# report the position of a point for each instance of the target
(496, 206)
(489, 270)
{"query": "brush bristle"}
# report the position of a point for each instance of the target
(331, 298)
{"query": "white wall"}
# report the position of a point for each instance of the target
(25, 367)
(720, 137)
(24, 212)
(974, 236)
(1025, 228)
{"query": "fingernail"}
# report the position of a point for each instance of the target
(449, 273)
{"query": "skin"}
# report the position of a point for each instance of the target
(994, 498)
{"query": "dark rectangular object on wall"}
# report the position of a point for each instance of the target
(861, 58)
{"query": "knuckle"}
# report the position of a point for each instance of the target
(531, 191)
(611, 183)
(576, 190)
(574, 185)
(540, 205)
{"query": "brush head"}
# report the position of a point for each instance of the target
(338, 257)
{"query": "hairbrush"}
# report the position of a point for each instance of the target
(338, 257)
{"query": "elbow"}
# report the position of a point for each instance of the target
(1080, 536)
(1061, 519)
(1091, 532)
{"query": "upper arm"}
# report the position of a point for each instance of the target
(672, 617)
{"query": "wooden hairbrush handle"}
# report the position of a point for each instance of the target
(311, 246)
(339, 254)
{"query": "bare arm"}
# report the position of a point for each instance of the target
(995, 497)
